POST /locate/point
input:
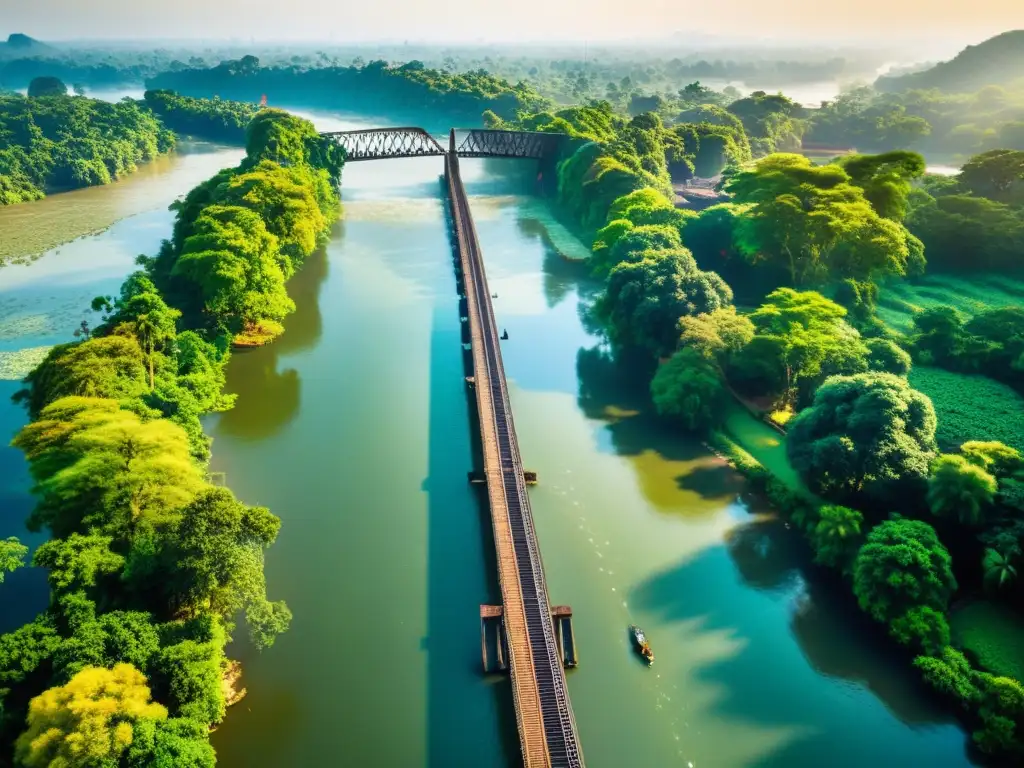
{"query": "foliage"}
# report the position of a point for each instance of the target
(76, 562)
(950, 673)
(689, 389)
(46, 86)
(959, 489)
(643, 301)
(996, 175)
(231, 259)
(886, 179)
(963, 233)
(88, 722)
(922, 628)
(111, 367)
(104, 641)
(97, 466)
(887, 356)
(375, 85)
(902, 566)
(217, 559)
(992, 456)
(868, 435)
(210, 118)
(12, 556)
(718, 336)
(836, 536)
(65, 142)
(800, 339)
(814, 222)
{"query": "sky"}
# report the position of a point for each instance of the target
(344, 21)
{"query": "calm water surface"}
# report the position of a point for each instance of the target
(354, 429)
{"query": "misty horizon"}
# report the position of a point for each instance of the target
(529, 23)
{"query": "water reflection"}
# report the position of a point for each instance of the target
(268, 397)
(765, 681)
(24, 593)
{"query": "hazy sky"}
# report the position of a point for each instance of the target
(470, 20)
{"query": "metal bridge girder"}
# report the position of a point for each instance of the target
(380, 143)
(383, 143)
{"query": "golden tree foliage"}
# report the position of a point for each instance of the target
(88, 722)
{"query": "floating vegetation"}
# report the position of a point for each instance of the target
(15, 366)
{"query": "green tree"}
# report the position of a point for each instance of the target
(128, 637)
(233, 262)
(836, 536)
(886, 356)
(108, 367)
(802, 338)
(902, 566)
(643, 301)
(997, 175)
(12, 556)
(216, 563)
(717, 335)
(76, 562)
(922, 628)
(688, 389)
(46, 86)
(867, 434)
(960, 490)
(96, 466)
(89, 722)
(886, 179)
(176, 742)
(992, 456)
(814, 222)
(634, 245)
(951, 674)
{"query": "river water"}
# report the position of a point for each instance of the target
(354, 428)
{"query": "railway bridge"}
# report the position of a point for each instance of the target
(544, 716)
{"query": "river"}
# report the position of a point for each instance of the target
(354, 428)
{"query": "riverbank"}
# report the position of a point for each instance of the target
(758, 663)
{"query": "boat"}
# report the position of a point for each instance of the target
(640, 641)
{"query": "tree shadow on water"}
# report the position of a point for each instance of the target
(561, 275)
(761, 591)
(268, 398)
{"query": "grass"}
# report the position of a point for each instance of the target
(993, 633)
(971, 407)
(763, 443)
(899, 300)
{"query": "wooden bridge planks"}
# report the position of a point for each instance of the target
(530, 704)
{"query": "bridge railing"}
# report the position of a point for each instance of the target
(560, 726)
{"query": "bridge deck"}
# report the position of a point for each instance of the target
(547, 728)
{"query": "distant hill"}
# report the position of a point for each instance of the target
(19, 45)
(997, 61)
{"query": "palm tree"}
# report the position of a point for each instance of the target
(999, 571)
(149, 335)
